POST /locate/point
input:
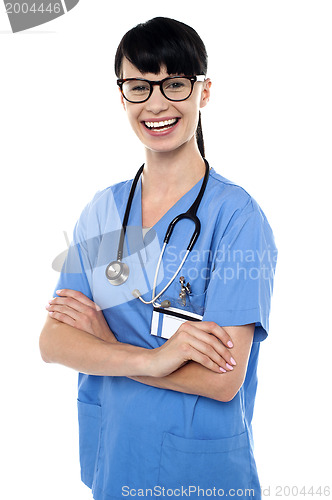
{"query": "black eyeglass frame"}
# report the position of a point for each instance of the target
(192, 79)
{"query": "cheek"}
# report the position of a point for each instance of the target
(192, 119)
(190, 111)
(133, 116)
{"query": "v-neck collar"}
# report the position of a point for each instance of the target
(186, 200)
(160, 227)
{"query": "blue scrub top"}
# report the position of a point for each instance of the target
(137, 440)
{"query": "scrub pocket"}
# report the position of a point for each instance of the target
(89, 421)
(207, 464)
(197, 303)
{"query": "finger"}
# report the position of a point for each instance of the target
(63, 318)
(209, 351)
(75, 294)
(68, 301)
(205, 361)
(211, 341)
(216, 330)
(63, 309)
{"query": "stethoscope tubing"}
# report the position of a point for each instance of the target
(127, 212)
(190, 214)
(196, 233)
(156, 297)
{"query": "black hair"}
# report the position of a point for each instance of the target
(164, 42)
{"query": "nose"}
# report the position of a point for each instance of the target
(157, 102)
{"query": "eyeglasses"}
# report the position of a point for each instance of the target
(174, 88)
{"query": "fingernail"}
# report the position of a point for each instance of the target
(50, 313)
(233, 361)
(58, 292)
(222, 369)
(229, 366)
(230, 344)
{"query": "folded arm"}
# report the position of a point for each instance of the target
(77, 335)
(198, 359)
(194, 378)
(86, 353)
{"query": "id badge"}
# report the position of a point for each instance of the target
(165, 322)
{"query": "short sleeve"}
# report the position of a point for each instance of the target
(243, 267)
(76, 270)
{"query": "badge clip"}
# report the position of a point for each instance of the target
(185, 290)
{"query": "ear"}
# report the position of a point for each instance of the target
(205, 96)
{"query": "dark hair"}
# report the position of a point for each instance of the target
(164, 42)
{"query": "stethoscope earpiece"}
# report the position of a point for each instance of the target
(117, 272)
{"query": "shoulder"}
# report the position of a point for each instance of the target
(109, 194)
(106, 203)
(240, 221)
(231, 199)
(236, 213)
(105, 198)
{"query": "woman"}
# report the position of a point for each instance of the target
(166, 387)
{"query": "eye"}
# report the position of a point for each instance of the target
(140, 88)
(181, 86)
(135, 87)
(174, 85)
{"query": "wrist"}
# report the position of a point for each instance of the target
(146, 363)
(130, 360)
(106, 334)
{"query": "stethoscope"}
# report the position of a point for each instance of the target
(117, 272)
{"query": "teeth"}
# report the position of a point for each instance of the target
(160, 124)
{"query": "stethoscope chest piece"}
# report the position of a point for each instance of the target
(117, 272)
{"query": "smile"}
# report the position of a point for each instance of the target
(162, 125)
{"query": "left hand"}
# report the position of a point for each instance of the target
(75, 309)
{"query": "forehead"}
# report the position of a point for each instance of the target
(130, 71)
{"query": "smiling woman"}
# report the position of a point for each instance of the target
(173, 402)
(172, 110)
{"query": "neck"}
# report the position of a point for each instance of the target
(172, 174)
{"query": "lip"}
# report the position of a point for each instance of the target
(153, 132)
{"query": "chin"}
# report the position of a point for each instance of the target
(166, 145)
(163, 149)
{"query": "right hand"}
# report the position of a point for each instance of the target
(76, 309)
(204, 342)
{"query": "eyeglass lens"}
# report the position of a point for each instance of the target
(175, 89)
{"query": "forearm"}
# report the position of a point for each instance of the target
(193, 378)
(77, 335)
(66, 345)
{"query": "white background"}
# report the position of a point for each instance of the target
(64, 136)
